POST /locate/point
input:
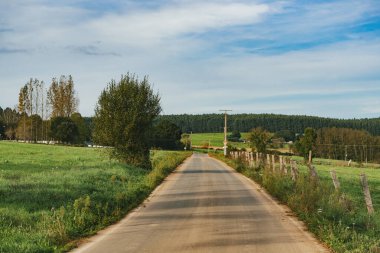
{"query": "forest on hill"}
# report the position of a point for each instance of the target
(211, 123)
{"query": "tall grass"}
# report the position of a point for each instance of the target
(50, 196)
(338, 218)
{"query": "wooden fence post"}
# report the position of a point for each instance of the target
(310, 156)
(274, 163)
(293, 173)
(367, 194)
(285, 165)
(313, 171)
(268, 160)
(294, 170)
(335, 179)
(258, 159)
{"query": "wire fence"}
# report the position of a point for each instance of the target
(291, 167)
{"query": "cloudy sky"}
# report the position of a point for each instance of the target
(290, 57)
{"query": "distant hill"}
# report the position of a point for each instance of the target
(211, 123)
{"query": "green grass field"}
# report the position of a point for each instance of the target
(349, 178)
(215, 139)
(354, 230)
(50, 196)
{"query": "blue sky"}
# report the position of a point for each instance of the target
(290, 57)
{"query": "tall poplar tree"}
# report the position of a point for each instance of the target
(62, 97)
(30, 106)
(22, 103)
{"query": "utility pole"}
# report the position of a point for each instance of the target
(225, 131)
(345, 153)
(191, 145)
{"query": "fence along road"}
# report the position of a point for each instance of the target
(205, 206)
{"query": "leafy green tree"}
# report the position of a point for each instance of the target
(23, 128)
(83, 130)
(22, 103)
(234, 136)
(124, 117)
(10, 118)
(2, 125)
(306, 142)
(64, 129)
(186, 141)
(62, 97)
(287, 135)
(90, 126)
(259, 139)
(2, 130)
(36, 125)
(166, 135)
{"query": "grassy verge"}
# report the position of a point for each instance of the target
(338, 218)
(50, 196)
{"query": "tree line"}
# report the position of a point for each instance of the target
(127, 119)
(212, 123)
(347, 144)
(331, 143)
(45, 113)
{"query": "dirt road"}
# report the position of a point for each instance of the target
(205, 206)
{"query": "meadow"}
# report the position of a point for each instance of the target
(339, 218)
(345, 225)
(215, 139)
(349, 178)
(202, 140)
(51, 196)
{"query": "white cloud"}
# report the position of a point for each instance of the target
(171, 22)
